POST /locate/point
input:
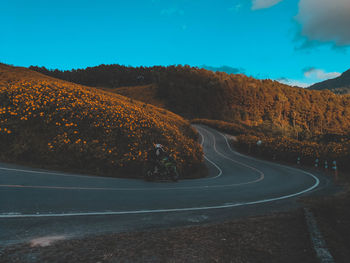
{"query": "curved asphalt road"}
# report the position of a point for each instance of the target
(39, 203)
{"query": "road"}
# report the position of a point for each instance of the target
(36, 203)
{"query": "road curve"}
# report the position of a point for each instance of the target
(235, 181)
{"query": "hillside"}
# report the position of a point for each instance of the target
(144, 93)
(54, 123)
(199, 93)
(339, 85)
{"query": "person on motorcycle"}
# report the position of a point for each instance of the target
(160, 160)
(156, 156)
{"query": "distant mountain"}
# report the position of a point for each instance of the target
(339, 85)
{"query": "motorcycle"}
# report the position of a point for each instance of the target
(164, 170)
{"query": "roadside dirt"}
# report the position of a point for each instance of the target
(273, 238)
(333, 218)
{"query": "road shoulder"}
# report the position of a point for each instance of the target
(280, 237)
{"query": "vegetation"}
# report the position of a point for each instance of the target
(274, 146)
(59, 124)
(286, 149)
(145, 93)
(111, 76)
(199, 93)
(291, 121)
(231, 128)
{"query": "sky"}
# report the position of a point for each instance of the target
(298, 42)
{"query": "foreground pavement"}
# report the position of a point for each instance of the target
(37, 203)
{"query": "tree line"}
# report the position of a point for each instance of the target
(198, 93)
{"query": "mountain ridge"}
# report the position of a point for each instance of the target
(339, 85)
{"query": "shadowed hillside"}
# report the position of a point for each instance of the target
(144, 93)
(55, 123)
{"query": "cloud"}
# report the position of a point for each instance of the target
(172, 11)
(325, 21)
(227, 69)
(235, 8)
(261, 4)
(320, 74)
(293, 82)
(311, 76)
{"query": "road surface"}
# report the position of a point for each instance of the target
(35, 203)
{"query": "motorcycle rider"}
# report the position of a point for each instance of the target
(160, 159)
(156, 155)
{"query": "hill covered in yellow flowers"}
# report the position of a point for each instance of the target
(54, 123)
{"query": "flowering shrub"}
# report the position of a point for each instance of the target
(283, 148)
(286, 149)
(48, 121)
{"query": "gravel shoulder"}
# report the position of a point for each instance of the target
(332, 214)
(281, 237)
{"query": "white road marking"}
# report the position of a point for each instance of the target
(151, 211)
(317, 239)
(174, 209)
(99, 177)
(276, 164)
(261, 177)
(206, 187)
(205, 157)
(54, 173)
(216, 166)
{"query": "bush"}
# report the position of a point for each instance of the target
(288, 150)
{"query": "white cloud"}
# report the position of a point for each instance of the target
(293, 82)
(320, 74)
(235, 8)
(325, 20)
(172, 11)
(311, 76)
(261, 4)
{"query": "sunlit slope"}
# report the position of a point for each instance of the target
(56, 123)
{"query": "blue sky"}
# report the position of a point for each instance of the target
(275, 39)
